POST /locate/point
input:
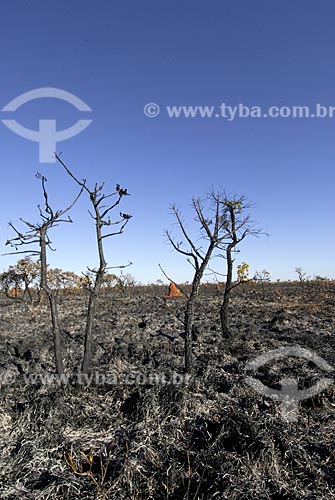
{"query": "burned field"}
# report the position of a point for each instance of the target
(139, 428)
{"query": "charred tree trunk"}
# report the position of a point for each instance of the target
(27, 291)
(87, 361)
(52, 297)
(189, 320)
(189, 313)
(224, 310)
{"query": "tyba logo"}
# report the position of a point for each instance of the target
(47, 136)
(289, 395)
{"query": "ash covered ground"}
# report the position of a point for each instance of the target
(139, 429)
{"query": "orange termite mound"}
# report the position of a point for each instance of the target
(174, 292)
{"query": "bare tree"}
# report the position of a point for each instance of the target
(101, 217)
(125, 281)
(262, 277)
(237, 226)
(211, 233)
(38, 234)
(301, 274)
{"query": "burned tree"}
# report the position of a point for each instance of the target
(101, 217)
(237, 225)
(301, 274)
(38, 234)
(211, 231)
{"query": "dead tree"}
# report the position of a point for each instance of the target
(237, 226)
(101, 217)
(211, 232)
(38, 234)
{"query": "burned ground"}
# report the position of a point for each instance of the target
(140, 429)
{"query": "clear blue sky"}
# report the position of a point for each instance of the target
(118, 55)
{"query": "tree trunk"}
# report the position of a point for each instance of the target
(52, 296)
(56, 334)
(188, 336)
(87, 361)
(189, 315)
(224, 310)
(28, 291)
(224, 314)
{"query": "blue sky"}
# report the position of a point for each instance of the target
(119, 55)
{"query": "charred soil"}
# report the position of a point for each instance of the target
(139, 428)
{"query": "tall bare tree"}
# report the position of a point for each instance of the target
(38, 234)
(198, 251)
(101, 217)
(237, 226)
